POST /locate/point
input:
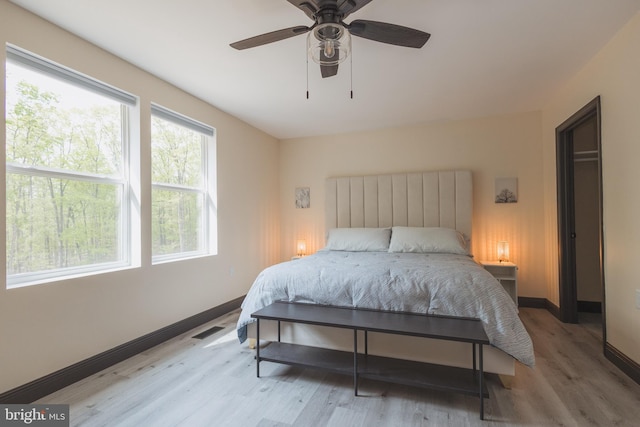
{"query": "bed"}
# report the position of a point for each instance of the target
(396, 242)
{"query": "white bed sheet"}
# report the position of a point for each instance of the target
(438, 284)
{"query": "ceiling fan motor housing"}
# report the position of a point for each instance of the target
(328, 15)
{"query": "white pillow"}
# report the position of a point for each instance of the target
(427, 240)
(359, 239)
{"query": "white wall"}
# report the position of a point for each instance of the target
(507, 146)
(614, 74)
(48, 327)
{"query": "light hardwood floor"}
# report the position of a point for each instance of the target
(212, 382)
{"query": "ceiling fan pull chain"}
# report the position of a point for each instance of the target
(307, 76)
(352, 76)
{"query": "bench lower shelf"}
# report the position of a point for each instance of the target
(415, 374)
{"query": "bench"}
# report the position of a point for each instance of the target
(363, 365)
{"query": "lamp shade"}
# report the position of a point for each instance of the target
(329, 44)
(503, 251)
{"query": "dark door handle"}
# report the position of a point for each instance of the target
(573, 235)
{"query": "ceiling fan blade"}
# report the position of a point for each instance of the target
(271, 37)
(309, 7)
(388, 33)
(328, 70)
(347, 7)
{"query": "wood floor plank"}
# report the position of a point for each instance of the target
(212, 382)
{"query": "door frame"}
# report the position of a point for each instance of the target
(566, 211)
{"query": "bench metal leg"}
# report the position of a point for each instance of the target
(258, 348)
(355, 362)
(278, 331)
(473, 346)
(366, 343)
(480, 384)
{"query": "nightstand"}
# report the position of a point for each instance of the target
(507, 275)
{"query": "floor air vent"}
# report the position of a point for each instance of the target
(203, 335)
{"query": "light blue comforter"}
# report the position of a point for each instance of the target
(441, 284)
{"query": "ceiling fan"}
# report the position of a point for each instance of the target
(329, 41)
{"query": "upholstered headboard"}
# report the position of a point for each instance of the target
(421, 199)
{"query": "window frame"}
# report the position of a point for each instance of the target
(207, 233)
(128, 106)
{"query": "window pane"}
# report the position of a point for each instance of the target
(59, 223)
(176, 221)
(66, 179)
(54, 124)
(177, 154)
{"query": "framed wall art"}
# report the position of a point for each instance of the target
(303, 198)
(506, 190)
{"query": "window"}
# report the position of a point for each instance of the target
(67, 187)
(183, 193)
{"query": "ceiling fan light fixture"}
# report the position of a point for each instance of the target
(329, 44)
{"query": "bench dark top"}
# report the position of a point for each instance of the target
(401, 323)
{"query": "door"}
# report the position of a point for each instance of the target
(578, 149)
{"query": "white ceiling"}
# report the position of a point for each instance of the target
(485, 57)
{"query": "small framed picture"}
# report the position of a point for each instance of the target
(506, 190)
(303, 198)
